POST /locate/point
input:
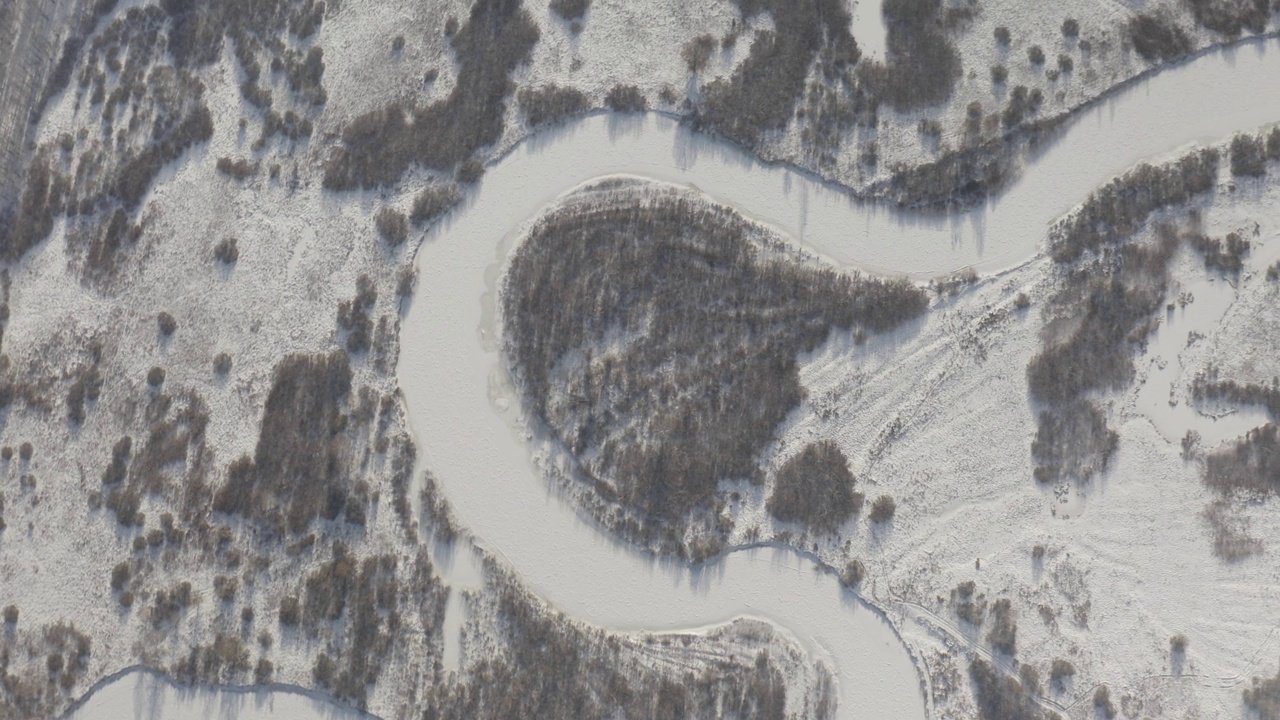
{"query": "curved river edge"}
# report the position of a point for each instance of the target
(449, 359)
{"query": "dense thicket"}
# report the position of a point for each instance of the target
(587, 676)
(378, 147)
(1157, 38)
(1263, 698)
(656, 339)
(1231, 17)
(1001, 697)
(922, 64)
(626, 98)
(815, 487)
(1117, 210)
(762, 93)
(297, 469)
(1251, 463)
(551, 104)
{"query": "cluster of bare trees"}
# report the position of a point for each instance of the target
(651, 335)
(815, 487)
(380, 146)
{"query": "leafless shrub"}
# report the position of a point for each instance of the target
(1227, 258)
(853, 574)
(1060, 671)
(570, 9)
(470, 171)
(1070, 28)
(239, 169)
(815, 487)
(379, 146)
(1000, 697)
(697, 52)
(1248, 156)
(1002, 36)
(1003, 633)
(1178, 644)
(290, 612)
(11, 614)
(227, 251)
(166, 323)
(1102, 702)
(25, 451)
(1263, 698)
(224, 660)
(922, 62)
(551, 104)
(155, 376)
(392, 225)
(1232, 541)
(999, 74)
(626, 98)
(443, 524)
(1035, 54)
(1251, 464)
(263, 672)
(967, 604)
(1231, 17)
(882, 509)
(433, 202)
(1072, 442)
(222, 364)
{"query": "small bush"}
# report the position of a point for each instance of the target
(166, 323)
(1037, 552)
(626, 98)
(392, 225)
(1178, 644)
(240, 170)
(853, 574)
(697, 52)
(1070, 28)
(1227, 257)
(25, 451)
(222, 363)
(1263, 697)
(999, 74)
(155, 376)
(225, 588)
(1102, 702)
(434, 201)
(1059, 671)
(120, 576)
(1002, 35)
(1035, 54)
(1066, 64)
(570, 9)
(397, 43)
(11, 615)
(227, 251)
(263, 672)
(882, 509)
(470, 172)
(290, 611)
(324, 670)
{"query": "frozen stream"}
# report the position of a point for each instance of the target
(464, 415)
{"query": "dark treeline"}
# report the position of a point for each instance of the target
(1001, 697)
(1208, 386)
(815, 487)
(587, 675)
(1252, 463)
(378, 147)
(762, 93)
(1157, 38)
(652, 337)
(551, 104)
(1117, 210)
(1104, 310)
(298, 470)
(922, 63)
(1232, 17)
(1250, 153)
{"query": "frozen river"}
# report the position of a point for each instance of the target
(463, 411)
